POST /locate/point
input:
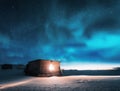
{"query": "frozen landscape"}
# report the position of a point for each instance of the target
(15, 80)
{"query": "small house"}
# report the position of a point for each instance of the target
(42, 67)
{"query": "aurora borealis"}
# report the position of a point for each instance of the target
(71, 31)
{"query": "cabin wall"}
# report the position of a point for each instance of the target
(41, 68)
(44, 66)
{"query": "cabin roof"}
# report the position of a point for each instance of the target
(37, 60)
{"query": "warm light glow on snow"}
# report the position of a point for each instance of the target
(51, 67)
(14, 84)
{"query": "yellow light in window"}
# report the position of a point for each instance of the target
(51, 67)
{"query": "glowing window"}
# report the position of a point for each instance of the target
(51, 67)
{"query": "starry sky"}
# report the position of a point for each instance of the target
(76, 32)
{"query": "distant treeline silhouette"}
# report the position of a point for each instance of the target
(115, 71)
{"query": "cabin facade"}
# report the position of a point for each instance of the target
(43, 68)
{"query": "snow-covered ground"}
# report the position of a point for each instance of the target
(14, 80)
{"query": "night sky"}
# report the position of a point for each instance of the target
(78, 33)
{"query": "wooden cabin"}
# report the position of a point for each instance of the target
(42, 67)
